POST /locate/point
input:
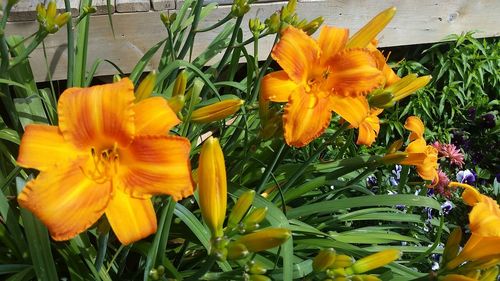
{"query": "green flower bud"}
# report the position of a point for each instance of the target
(236, 251)
(240, 208)
(324, 259)
(251, 222)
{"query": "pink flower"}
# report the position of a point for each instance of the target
(451, 152)
(442, 185)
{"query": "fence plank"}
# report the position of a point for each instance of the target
(429, 21)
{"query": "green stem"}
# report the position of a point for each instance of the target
(219, 23)
(192, 31)
(205, 267)
(22, 41)
(71, 47)
(270, 169)
(41, 34)
(228, 51)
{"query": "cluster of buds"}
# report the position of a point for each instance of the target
(288, 17)
(333, 266)
(240, 7)
(168, 18)
(157, 273)
(256, 26)
(212, 190)
(48, 18)
(255, 271)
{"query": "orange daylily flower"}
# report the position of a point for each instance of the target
(318, 77)
(107, 156)
(484, 223)
(421, 155)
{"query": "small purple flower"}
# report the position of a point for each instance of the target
(446, 207)
(472, 113)
(371, 181)
(466, 176)
(487, 121)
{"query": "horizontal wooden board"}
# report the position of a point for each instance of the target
(135, 33)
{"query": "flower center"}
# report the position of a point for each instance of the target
(317, 83)
(102, 164)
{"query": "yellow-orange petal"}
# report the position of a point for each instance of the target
(153, 116)
(390, 76)
(296, 53)
(130, 218)
(98, 116)
(415, 125)
(306, 117)
(368, 130)
(331, 41)
(156, 165)
(353, 72)
(353, 109)
(277, 86)
(477, 247)
(484, 219)
(43, 146)
(471, 195)
(65, 200)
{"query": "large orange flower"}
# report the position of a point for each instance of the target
(484, 223)
(107, 156)
(318, 77)
(424, 157)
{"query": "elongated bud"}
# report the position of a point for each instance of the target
(146, 87)
(257, 277)
(273, 23)
(374, 261)
(180, 85)
(240, 208)
(176, 103)
(368, 32)
(490, 274)
(313, 25)
(394, 158)
(337, 272)
(62, 19)
(324, 259)
(116, 78)
(395, 146)
(251, 222)
(212, 186)
(89, 9)
(41, 13)
(265, 239)
(289, 10)
(217, 111)
(407, 86)
(456, 277)
(342, 261)
(256, 267)
(452, 245)
(236, 251)
(379, 100)
(51, 10)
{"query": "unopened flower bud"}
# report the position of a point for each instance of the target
(51, 9)
(240, 208)
(257, 277)
(89, 9)
(313, 25)
(62, 19)
(236, 251)
(146, 87)
(240, 8)
(212, 186)
(374, 261)
(177, 103)
(394, 158)
(490, 274)
(368, 32)
(116, 78)
(256, 26)
(395, 146)
(255, 267)
(273, 23)
(288, 11)
(216, 111)
(342, 261)
(379, 100)
(324, 259)
(253, 219)
(265, 239)
(180, 85)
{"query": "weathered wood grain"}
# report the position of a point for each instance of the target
(162, 5)
(25, 10)
(429, 21)
(129, 6)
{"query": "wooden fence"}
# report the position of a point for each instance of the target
(138, 27)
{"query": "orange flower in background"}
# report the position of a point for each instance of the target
(107, 156)
(484, 223)
(424, 157)
(318, 77)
